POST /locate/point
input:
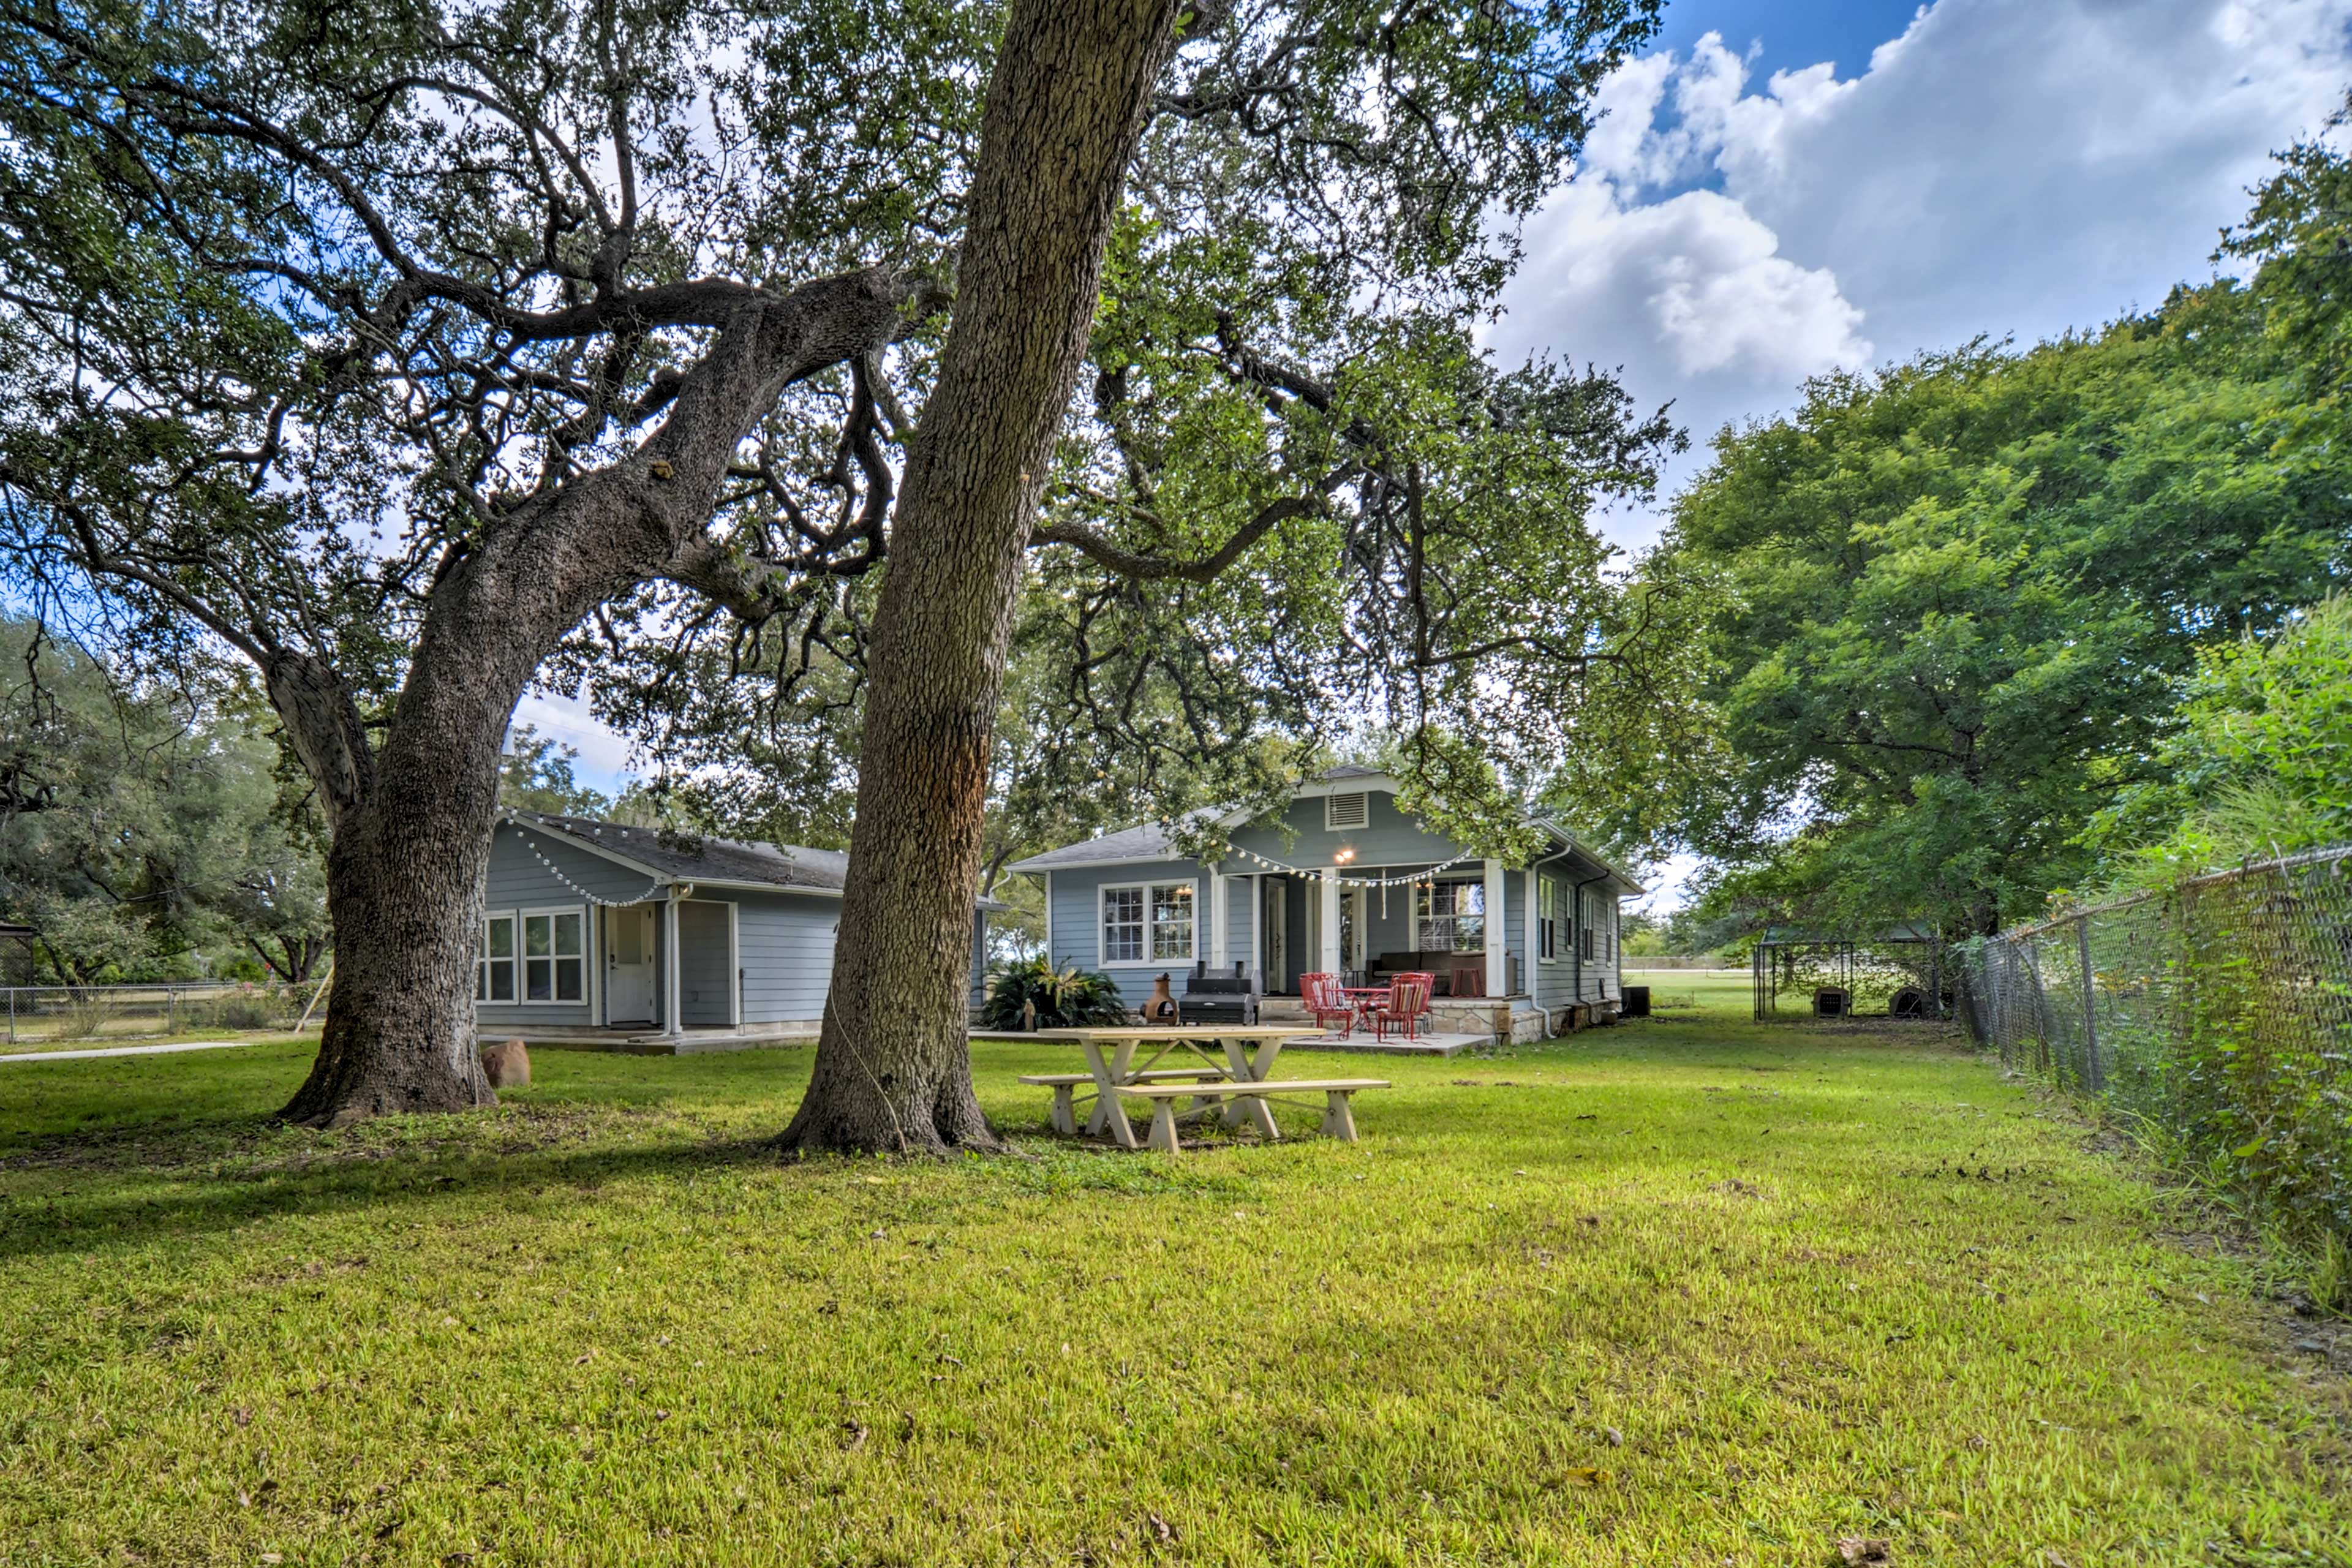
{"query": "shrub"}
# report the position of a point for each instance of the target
(243, 1013)
(1065, 997)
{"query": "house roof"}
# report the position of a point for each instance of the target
(1150, 841)
(673, 858)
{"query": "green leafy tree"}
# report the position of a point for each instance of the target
(538, 772)
(390, 345)
(1951, 600)
(140, 828)
(2259, 764)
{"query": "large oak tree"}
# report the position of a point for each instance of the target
(389, 343)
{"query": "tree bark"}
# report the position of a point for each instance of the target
(1066, 106)
(412, 820)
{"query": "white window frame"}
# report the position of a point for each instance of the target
(1587, 938)
(1363, 799)
(1102, 923)
(513, 961)
(1423, 902)
(524, 960)
(1546, 918)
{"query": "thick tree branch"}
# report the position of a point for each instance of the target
(1141, 567)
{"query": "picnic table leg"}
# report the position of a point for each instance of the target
(1248, 1071)
(1101, 1116)
(1339, 1121)
(1163, 1127)
(1066, 1116)
(1110, 1114)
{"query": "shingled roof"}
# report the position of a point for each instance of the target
(686, 859)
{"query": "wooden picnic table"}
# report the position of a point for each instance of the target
(1111, 1052)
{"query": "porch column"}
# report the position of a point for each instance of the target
(1219, 898)
(1498, 933)
(1331, 961)
(1534, 934)
(673, 1015)
(1257, 927)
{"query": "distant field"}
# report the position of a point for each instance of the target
(1691, 992)
(27, 1043)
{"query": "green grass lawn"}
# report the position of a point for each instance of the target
(1679, 1292)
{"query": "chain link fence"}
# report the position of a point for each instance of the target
(36, 1016)
(2219, 1014)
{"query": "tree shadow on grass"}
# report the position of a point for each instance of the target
(129, 1185)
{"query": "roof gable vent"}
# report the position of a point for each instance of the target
(1344, 811)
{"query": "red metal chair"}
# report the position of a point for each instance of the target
(1328, 998)
(1408, 1004)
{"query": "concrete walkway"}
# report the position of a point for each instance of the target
(125, 1051)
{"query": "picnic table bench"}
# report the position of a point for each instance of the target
(1339, 1121)
(1213, 1085)
(1065, 1086)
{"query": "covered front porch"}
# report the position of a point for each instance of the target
(1450, 918)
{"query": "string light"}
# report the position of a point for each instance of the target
(660, 890)
(1423, 878)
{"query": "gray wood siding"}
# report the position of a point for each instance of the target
(517, 881)
(787, 956)
(1514, 930)
(785, 942)
(1078, 931)
(1388, 837)
(1239, 893)
(1570, 978)
(1388, 930)
(705, 975)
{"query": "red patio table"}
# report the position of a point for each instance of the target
(1366, 998)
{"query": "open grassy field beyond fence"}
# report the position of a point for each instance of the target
(1691, 1292)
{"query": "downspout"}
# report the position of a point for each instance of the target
(1535, 958)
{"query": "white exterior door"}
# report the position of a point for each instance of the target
(629, 965)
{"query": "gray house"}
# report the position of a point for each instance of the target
(1343, 881)
(600, 932)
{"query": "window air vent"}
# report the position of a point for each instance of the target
(1342, 811)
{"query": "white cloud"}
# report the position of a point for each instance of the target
(1694, 279)
(2003, 167)
(604, 755)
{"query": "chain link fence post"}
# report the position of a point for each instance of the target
(2095, 1077)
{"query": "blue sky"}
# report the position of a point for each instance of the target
(1781, 189)
(1778, 190)
(1789, 33)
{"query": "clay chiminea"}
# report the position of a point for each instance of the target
(1162, 1008)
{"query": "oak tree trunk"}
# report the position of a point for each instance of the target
(413, 819)
(1067, 105)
